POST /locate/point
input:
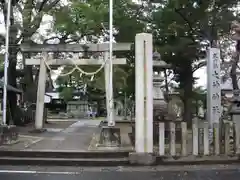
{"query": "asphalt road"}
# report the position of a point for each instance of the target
(120, 173)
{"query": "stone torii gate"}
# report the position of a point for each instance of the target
(73, 48)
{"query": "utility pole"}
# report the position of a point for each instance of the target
(111, 121)
(6, 62)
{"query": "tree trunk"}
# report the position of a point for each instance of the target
(233, 72)
(30, 88)
(187, 101)
(12, 58)
(166, 85)
(49, 86)
(11, 96)
(187, 86)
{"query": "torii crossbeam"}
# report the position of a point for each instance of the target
(70, 48)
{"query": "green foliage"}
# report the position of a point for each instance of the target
(1, 63)
(87, 19)
(67, 94)
(183, 30)
(74, 81)
(81, 18)
(181, 26)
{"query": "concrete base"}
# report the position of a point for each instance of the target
(8, 134)
(110, 137)
(142, 158)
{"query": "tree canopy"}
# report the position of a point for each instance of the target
(182, 31)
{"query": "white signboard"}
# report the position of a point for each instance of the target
(214, 107)
(47, 99)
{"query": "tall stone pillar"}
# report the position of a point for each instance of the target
(144, 101)
(144, 93)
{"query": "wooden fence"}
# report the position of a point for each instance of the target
(197, 140)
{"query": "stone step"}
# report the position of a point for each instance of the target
(64, 154)
(64, 161)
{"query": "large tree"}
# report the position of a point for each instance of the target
(89, 21)
(183, 31)
(25, 20)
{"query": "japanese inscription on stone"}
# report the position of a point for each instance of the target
(214, 86)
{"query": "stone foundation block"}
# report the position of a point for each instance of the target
(110, 137)
(8, 134)
(142, 158)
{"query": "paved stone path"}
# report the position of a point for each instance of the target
(76, 137)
